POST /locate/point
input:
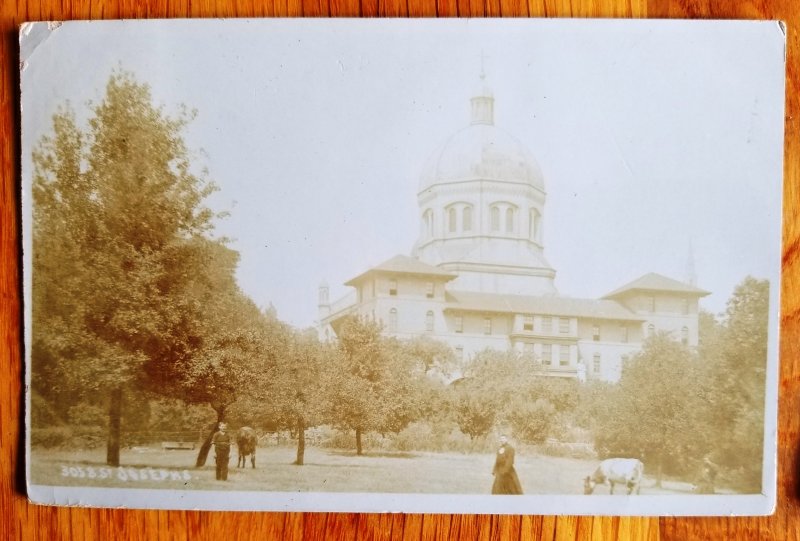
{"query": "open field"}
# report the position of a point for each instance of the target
(325, 470)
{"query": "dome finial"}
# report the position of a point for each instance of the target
(482, 101)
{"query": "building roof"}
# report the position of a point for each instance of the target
(546, 305)
(401, 264)
(481, 151)
(657, 282)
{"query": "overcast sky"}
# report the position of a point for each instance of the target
(650, 136)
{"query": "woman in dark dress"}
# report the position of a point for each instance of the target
(505, 476)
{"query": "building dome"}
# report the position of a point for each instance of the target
(481, 151)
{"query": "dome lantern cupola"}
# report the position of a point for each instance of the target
(483, 105)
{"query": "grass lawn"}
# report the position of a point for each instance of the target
(325, 470)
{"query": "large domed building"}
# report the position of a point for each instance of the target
(477, 276)
(481, 198)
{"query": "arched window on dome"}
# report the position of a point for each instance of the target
(495, 219)
(534, 225)
(427, 220)
(466, 218)
(510, 220)
(451, 220)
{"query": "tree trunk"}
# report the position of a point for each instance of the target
(114, 422)
(359, 449)
(202, 456)
(301, 441)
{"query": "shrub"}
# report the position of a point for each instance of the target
(43, 414)
(532, 421)
(87, 415)
(51, 437)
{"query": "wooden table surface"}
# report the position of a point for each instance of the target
(21, 520)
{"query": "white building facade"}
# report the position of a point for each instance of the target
(477, 276)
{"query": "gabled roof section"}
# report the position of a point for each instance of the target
(544, 305)
(402, 264)
(657, 282)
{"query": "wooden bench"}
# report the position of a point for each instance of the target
(177, 445)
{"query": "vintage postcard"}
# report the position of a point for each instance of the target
(462, 266)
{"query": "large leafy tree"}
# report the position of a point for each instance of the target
(655, 412)
(738, 378)
(295, 393)
(379, 386)
(121, 251)
(510, 389)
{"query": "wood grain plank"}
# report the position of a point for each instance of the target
(412, 527)
(445, 8)
(566, 528)
(548, 528)
(530, 527)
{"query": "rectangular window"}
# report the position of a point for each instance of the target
(547, 353)
(623, 334)
(563, 325)
(563, 355)
(459, 324)
(596, 363)
(527, 323)
(686, 307)
(393, 287)
(429, 321)
(547, 324)
(527, 348)
(459, 353)
(596, 333)
(429, 290)
(650, 303)
(487, 325)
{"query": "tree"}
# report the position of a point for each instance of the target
(738, 384)
(510, 388)
(296, 392)
(377, 387)
(435, 357)
(119, 238)
(654, 412)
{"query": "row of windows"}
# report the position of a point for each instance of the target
(487, 329)
(651, 331)
(563, 356)
(429, 288)
(503, 218)
(547, 353)
(429, 321)
(649, 305)
(547, 324)
(487, 325)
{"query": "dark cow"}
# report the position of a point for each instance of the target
(623, 471)
(246, 441)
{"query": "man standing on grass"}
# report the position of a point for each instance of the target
(505, 476)
(222, 451)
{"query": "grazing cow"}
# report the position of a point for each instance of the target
(623, 471)
(246, 441)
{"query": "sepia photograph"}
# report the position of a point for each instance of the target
(462, 266)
